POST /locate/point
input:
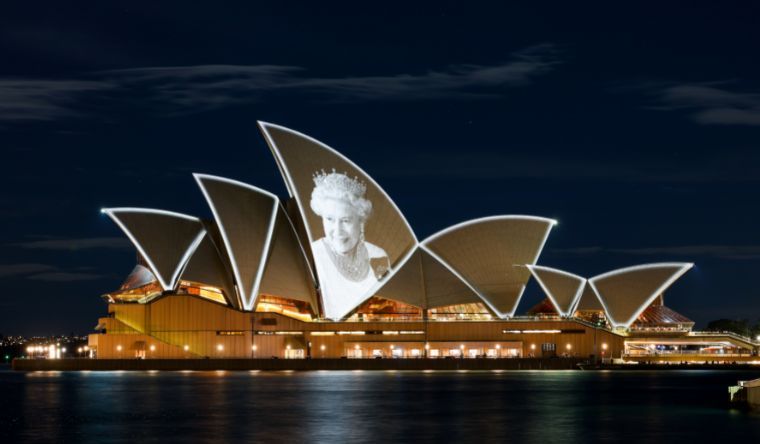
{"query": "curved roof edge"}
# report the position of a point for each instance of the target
(487, 219)
(174, 278)
(578, 293)
(459, 276)
(467, 223)
(289, 183)
(683, 268)
(377, 287)
(248, 301)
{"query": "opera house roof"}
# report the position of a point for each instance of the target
(339, 240)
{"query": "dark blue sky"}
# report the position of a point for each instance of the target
(637, 127)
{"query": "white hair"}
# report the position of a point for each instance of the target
(338, 186)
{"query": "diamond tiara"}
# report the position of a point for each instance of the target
(339, 182)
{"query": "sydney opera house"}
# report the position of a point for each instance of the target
(335, 270)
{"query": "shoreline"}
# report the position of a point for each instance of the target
(348, 364)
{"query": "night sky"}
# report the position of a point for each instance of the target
(637, 127)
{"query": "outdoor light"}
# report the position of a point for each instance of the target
(462, 346)
(220, 347)
(532, 346)
(604, 346)
(287, 347)
(63, 350)
(498, 346)
(118, 348)
(391, 346)
(152, 348)
(322, 347)
(356, 347)
(568, 346)
(186, 347)
(86, 348)
(254, 347)
(427, 346)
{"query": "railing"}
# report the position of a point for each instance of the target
(730, 334)
(680, 352)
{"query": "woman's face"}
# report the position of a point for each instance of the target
(342, 225)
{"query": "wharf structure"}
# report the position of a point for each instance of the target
(336, 271)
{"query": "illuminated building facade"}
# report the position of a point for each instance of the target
(335, 270)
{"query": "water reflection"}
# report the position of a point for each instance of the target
(526, 406)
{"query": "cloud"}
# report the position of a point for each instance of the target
(728, 252)
(41, 99)
(10, 270)
(711, 104)
(65, 276)
(117, 243)
(190, 89)
(48, 273)
(211, 86)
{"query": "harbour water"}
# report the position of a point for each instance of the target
(382, 406)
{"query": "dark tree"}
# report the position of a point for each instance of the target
(738, 326)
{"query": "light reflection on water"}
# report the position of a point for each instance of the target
(526, 406)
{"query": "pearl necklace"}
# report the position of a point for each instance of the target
(353, 267)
